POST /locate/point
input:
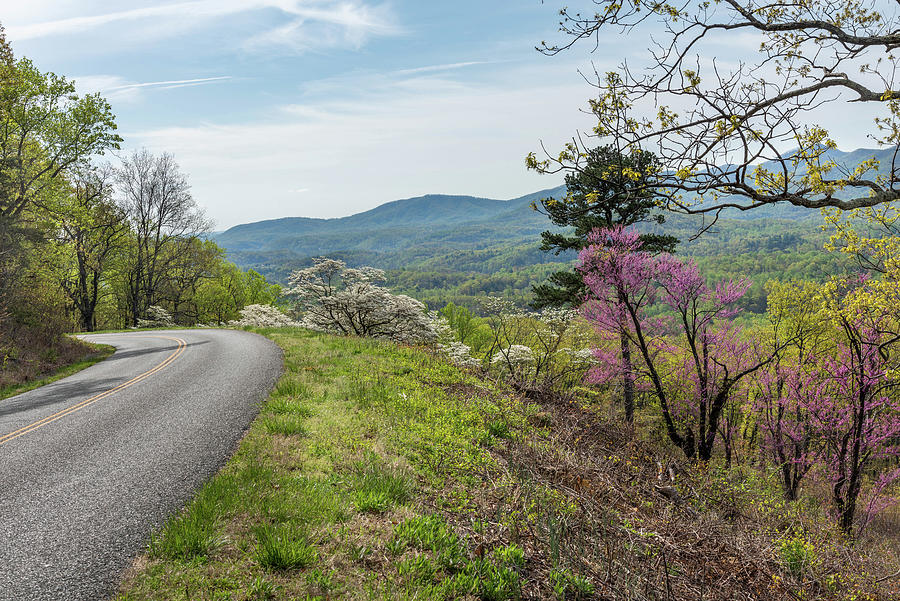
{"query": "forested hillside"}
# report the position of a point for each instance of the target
(443, 249)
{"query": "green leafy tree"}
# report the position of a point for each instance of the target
(47, 131)
(90, 229)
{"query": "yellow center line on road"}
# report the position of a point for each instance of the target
(82, 404)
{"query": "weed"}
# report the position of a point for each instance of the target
(283, 548)
(290, 387)
(379, 487)
(417, 570)
(797, 554)
(321, 580)
(567, 585)
(359, 552)
(262, 589)
(188, 535)
(496, 583)
(286, 424)
(512, 556)
(281, 405)
(499, 429)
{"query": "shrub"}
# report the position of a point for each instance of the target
(263, 316)
(157, 317)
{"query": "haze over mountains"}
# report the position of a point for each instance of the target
(441, 232)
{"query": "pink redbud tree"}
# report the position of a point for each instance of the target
(692, 341)
(855, 413)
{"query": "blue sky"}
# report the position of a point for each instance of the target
(318, 107)
(325, 108)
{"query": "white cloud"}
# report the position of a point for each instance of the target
(312, 23)
(113, 87)
(437, 68)
(406, 136)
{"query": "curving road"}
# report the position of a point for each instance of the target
(91, 464)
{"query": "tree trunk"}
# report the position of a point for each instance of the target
(627, 378)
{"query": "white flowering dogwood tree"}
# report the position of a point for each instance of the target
(157, 317)
(263, 316)
(332, 297)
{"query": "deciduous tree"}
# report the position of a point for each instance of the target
(165, 222)
(742, 133)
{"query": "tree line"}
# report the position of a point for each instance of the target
(85, 244)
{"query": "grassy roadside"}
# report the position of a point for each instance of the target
(328, 494)
(94, 353)
(381, 472)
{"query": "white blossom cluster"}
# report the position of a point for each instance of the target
(459, 354)
(157, 317)
(557, 317)
(516, 357)
(337, 299)
(580, 357)
(263, 316)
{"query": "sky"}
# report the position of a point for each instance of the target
(326, 108)
(321, 108)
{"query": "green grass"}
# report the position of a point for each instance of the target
(331, 477)
(381, 473)
(283, 548)
(98, 353)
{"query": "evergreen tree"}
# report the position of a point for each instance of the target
(609, 190)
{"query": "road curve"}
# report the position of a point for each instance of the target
(91, 464)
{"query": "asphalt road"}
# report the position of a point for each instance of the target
(91, 464)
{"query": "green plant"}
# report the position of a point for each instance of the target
(565, 585)
(188, 535)
(261, 589)
(498, 429)
(281, 405)
(286, 424)
(418, 570)
(511, 555)
(321, 580)
(283, 548)
(796, 553)
(359, 552)
(497, 583)
(378, 487)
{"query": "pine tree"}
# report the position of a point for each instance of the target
(609, 190)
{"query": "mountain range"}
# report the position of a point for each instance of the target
(459, 233)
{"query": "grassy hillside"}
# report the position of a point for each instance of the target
(382, 472)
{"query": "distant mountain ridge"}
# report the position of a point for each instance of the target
(440, 232)
(434, 210)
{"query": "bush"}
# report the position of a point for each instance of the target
(157, 317)
(336, 299)
(263, 316)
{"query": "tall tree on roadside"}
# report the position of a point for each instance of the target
(164, 219)
(46, 132)
(608, 190)
(91, 229)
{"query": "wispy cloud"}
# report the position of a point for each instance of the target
(399, 138)
(114, 87)
(311, 23)
(438, 68)
(342, 24)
